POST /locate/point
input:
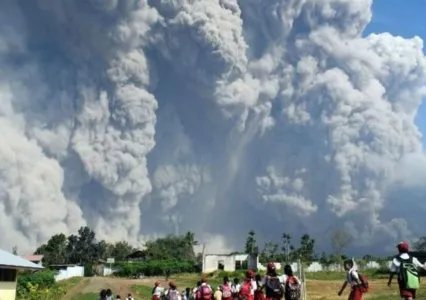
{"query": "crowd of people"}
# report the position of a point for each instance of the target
(108, 295)
(254, 287)
(273, 286)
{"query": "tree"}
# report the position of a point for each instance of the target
(172, 248)
(83, 248)
(420, 244)
(306, 251)
(324, 259)
(121, 250)
(340, 240)
(251, 244)
(55, 250)
(287, 247)
(270, 253)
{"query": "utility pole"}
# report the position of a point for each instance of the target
(203, 258)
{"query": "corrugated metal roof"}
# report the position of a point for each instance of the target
(33, 257)
(10, 260)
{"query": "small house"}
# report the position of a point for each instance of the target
(10, 264)
(36, 259)
(229, 262)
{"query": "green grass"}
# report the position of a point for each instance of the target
(69, 283)
(142, 291)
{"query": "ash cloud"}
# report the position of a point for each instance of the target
(141, 118)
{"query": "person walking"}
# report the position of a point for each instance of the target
(406, 268)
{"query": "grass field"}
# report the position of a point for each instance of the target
(320, 286)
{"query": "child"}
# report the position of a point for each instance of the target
(258, 293)
(292, 284)
(352, 278)
(157, 290)
(172, 292)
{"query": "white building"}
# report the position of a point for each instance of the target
(229, 262)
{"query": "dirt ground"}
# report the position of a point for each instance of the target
(96, 284)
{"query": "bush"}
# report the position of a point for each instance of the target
(154, 268)
(88, 270)
(36, 292)
(42, 279)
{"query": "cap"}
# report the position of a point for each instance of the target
(271, 266)
(403, 246)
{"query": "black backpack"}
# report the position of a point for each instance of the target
(274, 288)
(292, 289)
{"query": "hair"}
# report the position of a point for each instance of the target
(103, 294)
(198, 283)
(236, 280)
(108, 292)
(258, 278)
(272, 272)
(288, 270)
(225, 279)
(349, 262)
(118, 297)
(188, 292)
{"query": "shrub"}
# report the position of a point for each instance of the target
(42, 279)
(88, 270)
(154, 268)
(36, 292)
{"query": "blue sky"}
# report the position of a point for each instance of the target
(404, 18)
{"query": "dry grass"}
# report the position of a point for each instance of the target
(327, 290)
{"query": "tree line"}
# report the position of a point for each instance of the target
(84, 248)
(285, 250)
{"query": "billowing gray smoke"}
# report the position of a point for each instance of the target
(145, 117)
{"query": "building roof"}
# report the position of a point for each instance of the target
(33, 258)
(9, 260)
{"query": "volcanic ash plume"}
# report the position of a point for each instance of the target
(146, 117)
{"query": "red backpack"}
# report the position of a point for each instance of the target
(204, 292)
(245, 291)
(364, 283)
(226, 291)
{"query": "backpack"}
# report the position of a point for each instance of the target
(226, 291)
(204, 293)
(364, 283)
(173, 294)
(292, 289)
(274, 288)
(409, 274)
(245, 291)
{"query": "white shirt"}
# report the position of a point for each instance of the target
(178, 294)
(284, 278)
(235, 289)
(394, 268)
(158, 291)
(203, 284)
(352, 277)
